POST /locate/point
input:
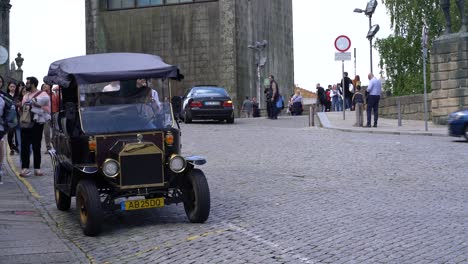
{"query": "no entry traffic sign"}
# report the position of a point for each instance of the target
(342, 43)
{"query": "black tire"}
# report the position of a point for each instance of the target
(466, 132)
(88, 205)
(62, 201)
(230, 120)
(197, 197)
(187, 118)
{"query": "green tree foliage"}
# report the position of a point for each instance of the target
(401, 52)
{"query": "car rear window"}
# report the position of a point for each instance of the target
(209, 91)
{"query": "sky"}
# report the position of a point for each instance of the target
(49, 30)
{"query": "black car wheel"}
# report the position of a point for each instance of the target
(187, 118)
(466, 132)
(197, 197)
(88, 204)
(230, 120)
(62, 201)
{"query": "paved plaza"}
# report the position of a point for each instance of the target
(282, 192)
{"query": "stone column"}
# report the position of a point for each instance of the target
(5, 32)
(449, 75)
(227, 60)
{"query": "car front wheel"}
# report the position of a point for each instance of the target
(196, 197)
(88, 204)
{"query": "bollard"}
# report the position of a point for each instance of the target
(399, 111)
(313, 115)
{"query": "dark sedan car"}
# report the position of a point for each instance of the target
(458, 124)
(207, 102)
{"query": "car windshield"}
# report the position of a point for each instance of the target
(123, 106)
(208, 92)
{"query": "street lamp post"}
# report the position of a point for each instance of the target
(370, 9)
(260, 61)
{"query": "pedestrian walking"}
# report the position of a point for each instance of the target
(2, 132)
(47, 132)
(358, 103)
(35, 109)
(375, 90)
(13, 94)
(247, 107)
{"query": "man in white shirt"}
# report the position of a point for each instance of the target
(375, 90)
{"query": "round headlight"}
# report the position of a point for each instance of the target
(110, 168)
(177, 163)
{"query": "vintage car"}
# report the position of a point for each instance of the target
(116, 144)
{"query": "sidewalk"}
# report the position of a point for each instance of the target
(25, 236)
(334, 120)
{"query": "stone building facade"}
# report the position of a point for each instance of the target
(5, 32)
(207, 39)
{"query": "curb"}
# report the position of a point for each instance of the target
(34, 197)
(325, 123)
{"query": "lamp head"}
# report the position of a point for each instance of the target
(372, 31)
(370, 8)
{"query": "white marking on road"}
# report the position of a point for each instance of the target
(269, 243)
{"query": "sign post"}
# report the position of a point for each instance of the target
(342, 44)
(424, 45)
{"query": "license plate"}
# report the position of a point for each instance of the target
(142, 204)
(211, 103)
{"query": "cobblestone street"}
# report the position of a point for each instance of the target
(285, 193)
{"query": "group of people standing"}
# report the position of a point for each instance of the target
(274, 102)
(332, 98)
(33, 109)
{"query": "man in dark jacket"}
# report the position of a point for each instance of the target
(348, 93)
(274, 88)
(321, 98)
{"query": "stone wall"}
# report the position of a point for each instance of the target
(207, 40)
(269, 20)
(411, 107)
(449, 75)
(188, 36)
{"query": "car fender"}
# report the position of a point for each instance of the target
(195, 160)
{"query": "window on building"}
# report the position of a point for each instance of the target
(177, 1)
(120, 4)
(142, 3)
(124, 4)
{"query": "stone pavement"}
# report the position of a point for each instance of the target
(285, 193)
(25, 236)
(334, 120)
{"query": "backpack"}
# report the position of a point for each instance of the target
(26, 118)
(9, 118)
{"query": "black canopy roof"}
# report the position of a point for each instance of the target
(108, 67)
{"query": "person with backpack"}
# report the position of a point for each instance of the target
(35, 111)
